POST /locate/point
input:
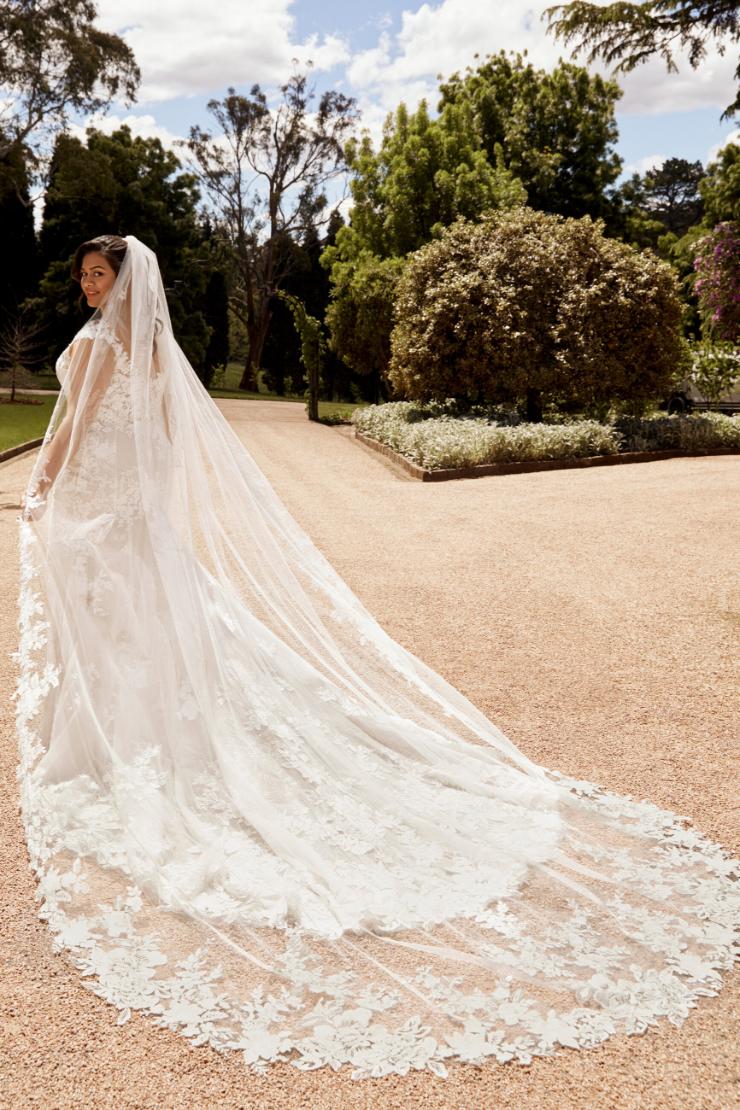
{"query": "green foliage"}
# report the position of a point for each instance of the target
(129, 186)
(624, 35)
(555, 131)
(313, 344)
(313, 347)
(529, 306)
(720, 188)
(426, 174)
(658, 208)
(54, 61)
(360, 314)
(715, 367)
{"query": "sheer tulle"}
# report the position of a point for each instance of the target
(258, 818)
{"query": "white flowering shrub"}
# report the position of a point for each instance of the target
(526, 304)
(434, 441)
(446, 441)
(678, 433)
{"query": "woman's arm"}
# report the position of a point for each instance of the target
(68, 435)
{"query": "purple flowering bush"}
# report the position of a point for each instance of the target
(717, 283)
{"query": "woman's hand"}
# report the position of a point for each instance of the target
(33, 505)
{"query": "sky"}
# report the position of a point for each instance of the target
(382, 53)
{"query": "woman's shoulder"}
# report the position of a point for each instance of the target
(90, 328)
(88, 331)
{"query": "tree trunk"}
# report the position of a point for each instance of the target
(256, 336)
(249, 375)
(313, 389)
(534, 406)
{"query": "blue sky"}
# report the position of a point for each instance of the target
(191, 50)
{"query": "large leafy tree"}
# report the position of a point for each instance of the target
(125, 185)
(672, 193)
(555, 131)
(624, 34)
(360, 315)
(53, 61)
(266, 170)
(426, 174)
(661, 205)
(720, 188)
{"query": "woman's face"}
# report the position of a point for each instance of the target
(96, 278)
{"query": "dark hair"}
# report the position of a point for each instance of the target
(112, 247)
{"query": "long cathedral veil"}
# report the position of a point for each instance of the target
(258, 818)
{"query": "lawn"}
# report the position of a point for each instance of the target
(26, 419)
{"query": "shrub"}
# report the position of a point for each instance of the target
(447, 441)
(530, 306)
(431, 436)
(715, 367)
(678, 433)
(717, 284)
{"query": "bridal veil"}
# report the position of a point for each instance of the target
(259, 819)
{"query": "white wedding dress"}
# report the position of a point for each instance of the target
(256, 817)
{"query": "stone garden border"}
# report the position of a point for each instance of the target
(481, 470)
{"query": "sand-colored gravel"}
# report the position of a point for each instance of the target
(592, 614)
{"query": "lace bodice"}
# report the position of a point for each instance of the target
(88, 331)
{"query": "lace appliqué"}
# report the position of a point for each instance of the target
(323, 1009)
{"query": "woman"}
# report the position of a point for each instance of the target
(261, 820)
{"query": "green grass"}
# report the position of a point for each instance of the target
(25, 419)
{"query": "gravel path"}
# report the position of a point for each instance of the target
(592, 614)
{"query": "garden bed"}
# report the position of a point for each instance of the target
(431, 445)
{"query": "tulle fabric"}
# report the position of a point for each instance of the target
(259, 819)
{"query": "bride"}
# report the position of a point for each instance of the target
(255, 816)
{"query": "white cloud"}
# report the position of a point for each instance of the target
(642, 165)
(444, 38)
(651, 90)
(713, 152)
(189, 47)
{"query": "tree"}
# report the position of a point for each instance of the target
(720, 189)
(661, 206)
(360, 314)
(266, 172)
(531, 308)
(556, 130)
(19, 344)
(672, 194)
(624, 35)
(313, 347)
(53, 61)
(216, 312)
(125, 185)
(425, 174)
(19, 256)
